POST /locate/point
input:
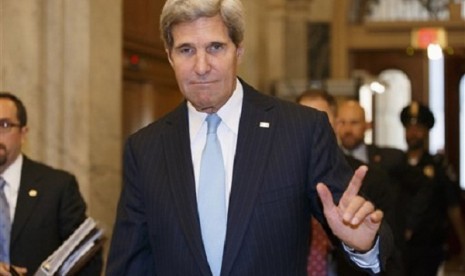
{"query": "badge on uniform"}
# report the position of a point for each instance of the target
(32, 193)
(428, 171)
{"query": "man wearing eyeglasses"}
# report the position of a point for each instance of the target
(40, 207)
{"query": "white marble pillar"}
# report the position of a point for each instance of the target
(295, 38)
(250, 66)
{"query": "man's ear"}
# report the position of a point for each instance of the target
(24, 130)
(240, 51)
(168, 54)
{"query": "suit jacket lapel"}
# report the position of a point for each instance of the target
(182, 183)
(253, 144)
(28, 195)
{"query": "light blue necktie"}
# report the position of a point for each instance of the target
(5, 225)
(211, 197)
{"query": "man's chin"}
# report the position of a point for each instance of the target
(416, 147)
(349, 146)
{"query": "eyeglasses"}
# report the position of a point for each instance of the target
(6, 126)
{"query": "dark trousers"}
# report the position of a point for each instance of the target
(423, 261)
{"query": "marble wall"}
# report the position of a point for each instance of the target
(63, 59)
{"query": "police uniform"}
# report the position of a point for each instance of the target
(426, 196)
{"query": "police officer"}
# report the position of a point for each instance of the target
(428, 200)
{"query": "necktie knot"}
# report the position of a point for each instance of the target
(213, 121)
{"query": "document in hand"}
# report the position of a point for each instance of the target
(74, 252)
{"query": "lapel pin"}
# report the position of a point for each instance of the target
(264, 124)
(32, 193)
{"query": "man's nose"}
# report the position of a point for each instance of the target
(202, 63)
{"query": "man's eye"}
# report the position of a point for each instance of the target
(215, 47)
(185, 50)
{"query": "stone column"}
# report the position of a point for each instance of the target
(295, 39)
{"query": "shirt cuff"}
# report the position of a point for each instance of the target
(365, 260)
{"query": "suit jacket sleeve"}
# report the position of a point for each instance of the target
(130, 249)
(44, 221)
(71, 214)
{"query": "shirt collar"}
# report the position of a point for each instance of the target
(360, 152)
(12, 174)
(229, 113)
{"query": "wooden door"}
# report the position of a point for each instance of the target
(454, 70)
(149, 85)
(414, 65)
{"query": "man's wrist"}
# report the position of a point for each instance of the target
(368, 259)
(356, 251)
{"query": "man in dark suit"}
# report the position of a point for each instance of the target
(276, 155)
(45, 203)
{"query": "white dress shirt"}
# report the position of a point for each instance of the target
(230, 113)
(359, 153)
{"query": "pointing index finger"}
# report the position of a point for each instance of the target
(355, 183)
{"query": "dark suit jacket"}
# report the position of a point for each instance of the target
(392, 160)
(377, 188)
(272, 198)
(48, 210)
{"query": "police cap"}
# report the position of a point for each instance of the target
(416, 113)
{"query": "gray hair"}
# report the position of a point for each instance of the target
(179, 11)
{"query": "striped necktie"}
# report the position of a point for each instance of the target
(211, 197)
(5, 225)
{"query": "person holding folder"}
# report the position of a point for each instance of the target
(40, 206)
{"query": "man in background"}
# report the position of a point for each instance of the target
(425, 233)
(40, 207)
(351, 127)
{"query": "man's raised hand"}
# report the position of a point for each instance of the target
(355, 221)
